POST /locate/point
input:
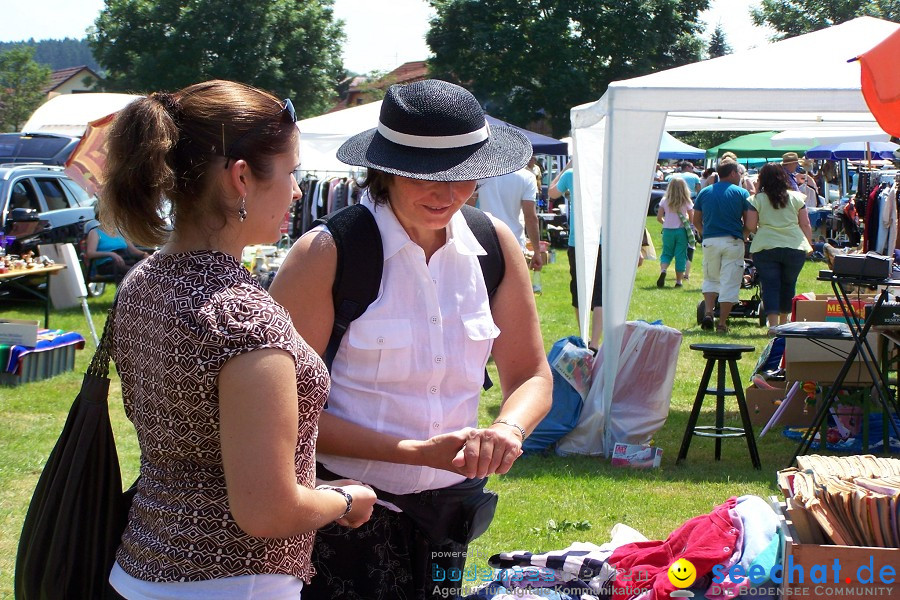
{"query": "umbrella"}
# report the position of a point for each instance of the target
(853, 150)
(880, 82)
(754, 145)
(85, 165)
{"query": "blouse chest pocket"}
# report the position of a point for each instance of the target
(379, 350)
(480, 333)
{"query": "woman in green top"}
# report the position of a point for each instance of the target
(781, 243)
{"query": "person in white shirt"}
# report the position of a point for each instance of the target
(402, 413)
(511, 198)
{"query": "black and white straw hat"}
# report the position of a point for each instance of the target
(436, 131)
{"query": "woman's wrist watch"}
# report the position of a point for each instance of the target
(343, 493)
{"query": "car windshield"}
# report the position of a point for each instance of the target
(18, 147)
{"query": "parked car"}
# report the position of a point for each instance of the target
(43, 148)
(656, 195)
(61, 205)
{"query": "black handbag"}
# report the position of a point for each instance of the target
(78, 511)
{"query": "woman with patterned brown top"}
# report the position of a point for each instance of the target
(223, 393)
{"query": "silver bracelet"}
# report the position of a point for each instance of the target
(343, 493)
(513, 425)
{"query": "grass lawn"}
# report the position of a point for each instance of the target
(545, 502)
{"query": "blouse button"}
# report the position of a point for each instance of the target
(380, 340)
(433, 389)
(434, 320)
(726, 550)
(438, 359)
(436, 425)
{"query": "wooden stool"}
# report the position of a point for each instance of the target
(720, 353)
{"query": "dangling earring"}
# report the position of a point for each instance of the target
(242, 209)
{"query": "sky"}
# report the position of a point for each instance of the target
(381, 34)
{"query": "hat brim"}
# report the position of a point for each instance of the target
(505, 151)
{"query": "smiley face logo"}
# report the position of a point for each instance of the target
(682, 573)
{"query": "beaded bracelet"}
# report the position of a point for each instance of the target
(520, 429)
(343, 493)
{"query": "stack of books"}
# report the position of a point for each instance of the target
(847, 500)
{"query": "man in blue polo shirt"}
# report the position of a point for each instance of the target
(722, 214)
(690, 177)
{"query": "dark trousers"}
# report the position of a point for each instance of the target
(387, 558)
(778, 269)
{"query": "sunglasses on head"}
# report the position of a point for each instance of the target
(288, 115)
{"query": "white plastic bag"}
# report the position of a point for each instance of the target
(641, 396)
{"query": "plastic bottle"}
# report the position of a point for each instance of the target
(259, 263)
(536, 283)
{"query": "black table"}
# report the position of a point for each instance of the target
(857, 333)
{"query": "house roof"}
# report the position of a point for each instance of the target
(407, 72)
(61, 76)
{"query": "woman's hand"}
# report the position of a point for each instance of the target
(363, 501)
(120, 262)
(488, 452)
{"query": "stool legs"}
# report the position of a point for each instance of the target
(720, 393)
(745, 417)
(720, 407)
(695, 411)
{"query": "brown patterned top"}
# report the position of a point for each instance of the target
(179, 318)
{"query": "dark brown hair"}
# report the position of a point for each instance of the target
(725, 168)
(163, 147)
(377, 183)
(773, 182)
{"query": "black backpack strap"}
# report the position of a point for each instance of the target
(493, 266)
(360, 261)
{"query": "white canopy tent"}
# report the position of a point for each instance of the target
(321, 136)
(616, 139)
(69, 114)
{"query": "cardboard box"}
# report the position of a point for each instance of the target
(17, 332)
(824, 372)
(856, 563)
(810, 310)
(640, 456)
(834, 312)
(761, 404)
(807, 350)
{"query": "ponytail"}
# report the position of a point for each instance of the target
(139, 173)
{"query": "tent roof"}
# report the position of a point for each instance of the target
(672, 147)
(69, 114)
(541, 144)
(738, 92)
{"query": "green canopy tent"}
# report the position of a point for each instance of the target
(756, 146)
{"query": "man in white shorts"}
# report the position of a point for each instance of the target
(722, 214)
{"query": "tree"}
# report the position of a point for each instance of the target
(290, 47)
(718, 45)
(22, 85)
(795, 17)
(524, 59)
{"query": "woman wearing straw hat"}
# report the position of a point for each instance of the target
(402, 415)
